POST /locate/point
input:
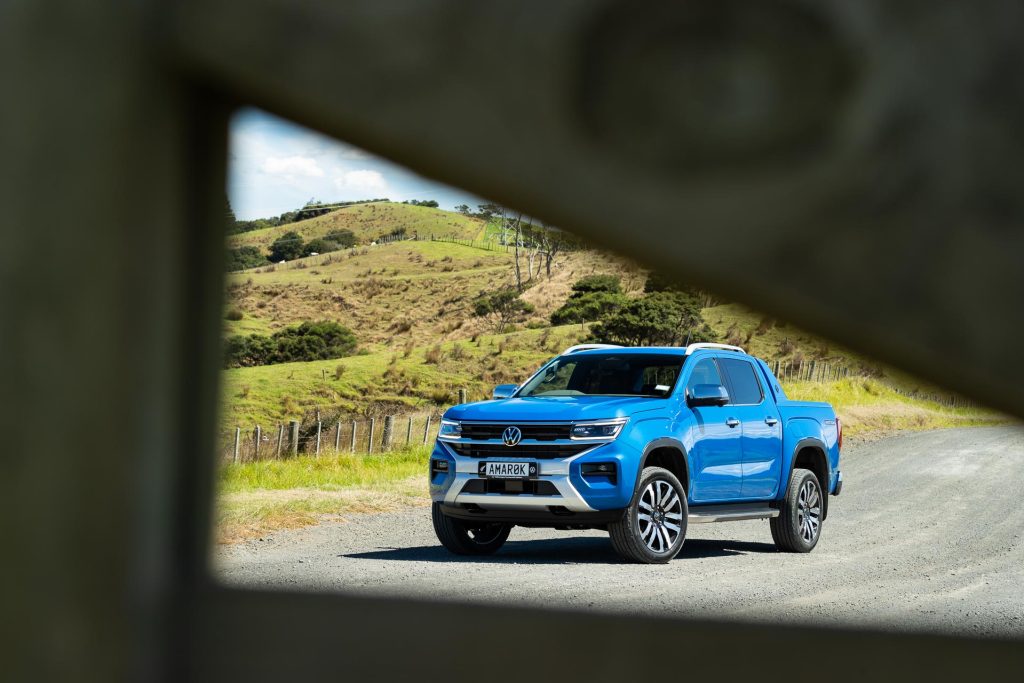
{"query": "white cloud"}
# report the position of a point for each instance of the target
(292, 166)
(363, 179)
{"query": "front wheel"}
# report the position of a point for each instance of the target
(463, 537)
(798, 526)
(652, 529)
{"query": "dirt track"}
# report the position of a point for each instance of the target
(927, 535)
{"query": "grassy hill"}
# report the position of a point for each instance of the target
(369, 222)
(410, 306)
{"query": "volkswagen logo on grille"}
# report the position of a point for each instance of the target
(511, 436)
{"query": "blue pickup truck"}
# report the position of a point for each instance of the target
(640, 442)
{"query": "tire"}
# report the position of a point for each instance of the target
(797, 529)
(638, 538)
(463, 537)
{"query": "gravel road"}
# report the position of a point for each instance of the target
(927, 535)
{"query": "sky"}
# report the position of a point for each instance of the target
(277, 166)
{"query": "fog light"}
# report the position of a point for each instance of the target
(600, 469)
(438, 466)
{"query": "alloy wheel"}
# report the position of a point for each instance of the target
(808, 515)
(660, 516)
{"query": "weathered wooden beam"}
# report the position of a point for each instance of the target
(851, 168)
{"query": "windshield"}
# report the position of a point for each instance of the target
(607, 374)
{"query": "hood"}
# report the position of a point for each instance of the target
(555, 408)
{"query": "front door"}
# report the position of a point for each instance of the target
(716, 453)
(761, 429)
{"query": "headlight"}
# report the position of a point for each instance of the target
(600, 429)
(450, 430)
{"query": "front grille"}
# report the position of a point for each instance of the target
(537, 432)
(513, 487)
(538, 452)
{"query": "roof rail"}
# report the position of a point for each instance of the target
(588, 347)
(725, 347)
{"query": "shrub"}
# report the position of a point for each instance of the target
(342, 238)
(234, 313)
(244, 257)
(339, 371)
(433, 355)
(318, 246)
(305, 342)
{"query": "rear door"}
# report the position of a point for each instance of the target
(716, 453)
(761, 427)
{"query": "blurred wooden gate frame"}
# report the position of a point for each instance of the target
(852, 167)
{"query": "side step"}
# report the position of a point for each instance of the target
(730, 513)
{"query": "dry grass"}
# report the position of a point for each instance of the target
(252, 514)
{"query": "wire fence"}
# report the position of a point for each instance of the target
(823, 371)
(315, 436)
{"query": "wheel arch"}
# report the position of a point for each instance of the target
(810, 453)
(670, 454)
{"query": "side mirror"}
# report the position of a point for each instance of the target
(504, 391)
(707, 395)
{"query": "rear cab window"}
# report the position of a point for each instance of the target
(744, 386)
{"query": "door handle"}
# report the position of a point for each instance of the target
(771, 421)
(732, 422)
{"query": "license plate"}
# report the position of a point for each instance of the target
(508, 470)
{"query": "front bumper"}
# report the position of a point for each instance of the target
(572, 492)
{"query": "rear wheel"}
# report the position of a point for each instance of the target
(798, 526)
(653, 527)
(464, 537)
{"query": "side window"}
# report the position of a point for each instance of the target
(745, 387)
(704, 372)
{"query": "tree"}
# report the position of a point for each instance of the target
(287, 247)
(463, 209)
(597, 283)
(659, 282)
(503, 307)
(594, 297)
(551, 242)
(657, 319)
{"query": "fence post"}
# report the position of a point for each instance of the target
(426, 431)
(319, 426)
(408, 432)
(462, 395)
(238, 436)
(256, 451)
(337, 438)
(353, 437)
(373, 428)
(293, 445)
(280, 439)
(389, 433)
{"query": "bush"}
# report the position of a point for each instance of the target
(657, 319)
(245, 257)
(305, 342)
(235, 314)
(342, 238)
(318, 246)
